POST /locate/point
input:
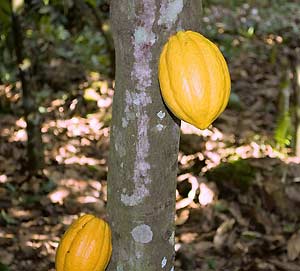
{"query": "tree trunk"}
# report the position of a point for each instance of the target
(144, 135)
(35, 154)
(296, 67)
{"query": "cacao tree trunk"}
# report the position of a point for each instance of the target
(144, 135)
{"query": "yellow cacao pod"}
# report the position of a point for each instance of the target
(85, 246)
(194, 78)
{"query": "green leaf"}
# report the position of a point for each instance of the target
(7, 218)
(48, 186)
(211, 264)
(5, 7)
(4, 19)
(93, 3)
(3, 267)
(235, 101)
(10, 187)
(283, 130)
(5, 13)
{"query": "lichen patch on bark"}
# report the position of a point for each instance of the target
(161, 114)
(143, 40)
(164, 262)
(128, 114)
(172, 239)
(119, 144)
(142, 234)
(160, 127)
(169, 11)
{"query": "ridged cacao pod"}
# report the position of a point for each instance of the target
(85, 246)
(194, 78)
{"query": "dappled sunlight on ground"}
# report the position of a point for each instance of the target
(210, 210)
(218, 147)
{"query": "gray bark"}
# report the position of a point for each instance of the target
(144, 135)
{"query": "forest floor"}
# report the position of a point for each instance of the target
(238, 200)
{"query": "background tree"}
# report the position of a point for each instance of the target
(27, 70)
(145, 136)
(36, 36)
(11, 13)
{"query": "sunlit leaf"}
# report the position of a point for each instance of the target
(282, 131)
(26, 64)
(91, 95)
(17, 5)
(92, 2)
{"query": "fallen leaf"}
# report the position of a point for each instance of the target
(222, 233)
(293, 246)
